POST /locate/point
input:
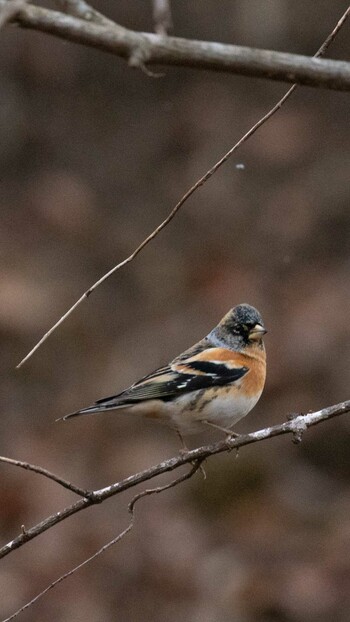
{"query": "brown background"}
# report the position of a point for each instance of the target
(93, 156)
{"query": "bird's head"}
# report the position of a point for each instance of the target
(240, 327)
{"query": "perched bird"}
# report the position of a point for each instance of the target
(215, 383)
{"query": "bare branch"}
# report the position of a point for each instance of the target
(162, 17)
(151, 491)
(296, 427)
(111, 543)
(200, 182)
(37, 469)
(139, 48)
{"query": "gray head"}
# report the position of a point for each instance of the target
(241, 326)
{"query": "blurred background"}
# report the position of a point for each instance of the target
(93, 156)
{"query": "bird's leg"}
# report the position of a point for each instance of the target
(184, 450)
(227, 431)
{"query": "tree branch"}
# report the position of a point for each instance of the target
(296, 426)
(41, 471)
(148, 48)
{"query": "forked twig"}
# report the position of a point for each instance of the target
(296, 427)
(111, 543)
(200, 182)
(151, 491)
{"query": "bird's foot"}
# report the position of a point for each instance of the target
(229, 434)
(184, 451)
(202, 470)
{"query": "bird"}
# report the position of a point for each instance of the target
(215, 383)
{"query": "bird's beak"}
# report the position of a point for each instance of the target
(257, 332)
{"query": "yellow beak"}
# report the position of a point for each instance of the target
(257, 332)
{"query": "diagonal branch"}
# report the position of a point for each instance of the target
(187, 194)
(296, 426)
(69, 573)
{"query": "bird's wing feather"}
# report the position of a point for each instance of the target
(183, 375)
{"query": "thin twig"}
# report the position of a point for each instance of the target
(111, 543)
(186, 196)
(37, 469)
(151, 491)
(295, 426)
(70, 572)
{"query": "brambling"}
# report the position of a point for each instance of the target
(215, 383)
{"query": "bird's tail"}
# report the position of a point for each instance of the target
(91, 410)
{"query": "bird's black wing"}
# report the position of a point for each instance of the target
(170, 382)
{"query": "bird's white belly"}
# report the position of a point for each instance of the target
(188, 412)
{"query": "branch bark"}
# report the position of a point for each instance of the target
(296, 426)
(141, 49)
